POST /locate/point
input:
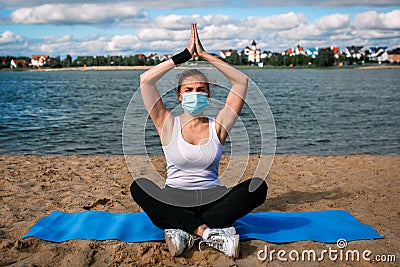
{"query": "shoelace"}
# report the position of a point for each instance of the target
(218, 244)
(191, 240)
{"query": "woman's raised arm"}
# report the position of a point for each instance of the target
(151, 97)
(236, 97)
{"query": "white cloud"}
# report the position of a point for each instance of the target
(333, 21)
(340, 37)
(73, 47)
(123, 43)
(216, 32)
(219, 19)
(221, 32)
(155, 34)
(170, 5)
(278, 22)
(374, 20)
(170, 34)
(63, 39)
(154, 4)
(374, 34)
(178, 22)
(323, 3)
(303, 32)
(8, 37)
(75, 14)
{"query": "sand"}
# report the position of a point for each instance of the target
(33, 186)
(379, 67)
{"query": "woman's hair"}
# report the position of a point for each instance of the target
(191, 72)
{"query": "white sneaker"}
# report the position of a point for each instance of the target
(178, 240)
(228, 231)
(225, 240)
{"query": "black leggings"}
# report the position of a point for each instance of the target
(222, 212)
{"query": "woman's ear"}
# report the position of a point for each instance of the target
(178, 95)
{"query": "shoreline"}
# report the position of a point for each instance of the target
(100, 68)
(379, 67)
(127, 68)
(94, 68)
(32, 186)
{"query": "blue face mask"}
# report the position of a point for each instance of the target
(195, 102)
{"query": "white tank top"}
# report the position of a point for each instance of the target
(191, 166)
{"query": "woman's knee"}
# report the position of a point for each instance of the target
(141, 185)
(135, 185)
(143, 189)
(257, 184)
(258, 187)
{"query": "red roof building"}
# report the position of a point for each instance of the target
(15, 63)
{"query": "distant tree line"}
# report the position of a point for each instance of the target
(325, 58)
(89, 61)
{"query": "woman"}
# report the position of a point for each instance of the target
(193, 206)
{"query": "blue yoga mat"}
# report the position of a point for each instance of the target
(275, 227)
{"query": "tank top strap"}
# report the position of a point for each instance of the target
(177, 128)
(213, 131)
(174, 134)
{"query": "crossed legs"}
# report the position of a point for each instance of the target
(236, 202)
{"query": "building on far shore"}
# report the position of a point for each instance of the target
(157, 57)
(394, 55)
(253, 54)
(15, 63)
(355, 52)
(141, 57)
(3, 61)
(39, 60)
(336, 52)
(295, 51)
(312, 52)
(227, 53)
(378, 54)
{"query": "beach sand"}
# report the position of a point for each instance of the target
(33, 186)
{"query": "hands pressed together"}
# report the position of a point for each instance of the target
(194, 45)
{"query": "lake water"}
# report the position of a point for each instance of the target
(316, 111)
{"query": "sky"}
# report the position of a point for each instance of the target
(121, 27)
